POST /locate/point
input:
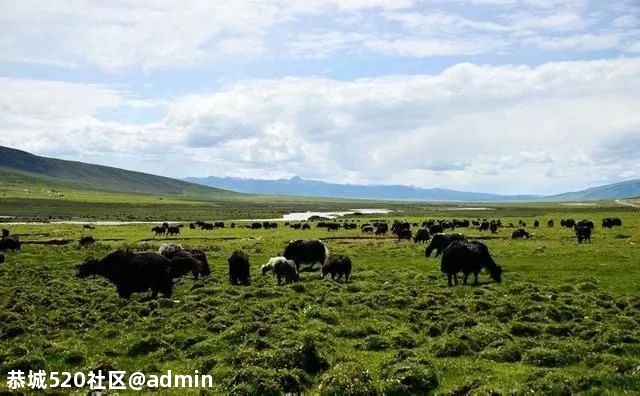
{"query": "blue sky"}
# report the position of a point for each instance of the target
(506, 96)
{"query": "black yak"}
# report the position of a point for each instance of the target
(132, 272)
(550, 223)
(583, 233)
(159, 230)
(493, 227)
(422, 235)
(306, 226)
(440, 241)
(239, 268)
(5, 233)
(520, 233)
(86, 240)
(436, 229)
(283, 269)
(404, 234)
(468, 258)
(185, 261)
(310, 251)
(367, 229)
(382, 229)
(337, 265)
(10, 243)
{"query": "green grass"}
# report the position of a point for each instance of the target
(564, 320)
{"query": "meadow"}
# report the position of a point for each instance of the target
(563, 321)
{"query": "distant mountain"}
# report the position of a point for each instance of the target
(97, 177)
(625, 189)
(310, 188)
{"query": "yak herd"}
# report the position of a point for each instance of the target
(157, 271)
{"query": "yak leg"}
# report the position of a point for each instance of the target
(466, 276)
(279, 279)
(475, 274)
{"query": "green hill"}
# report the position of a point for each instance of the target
(84, 176)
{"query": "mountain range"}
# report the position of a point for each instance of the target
(104, 178)
(301, 187)
(97, 177)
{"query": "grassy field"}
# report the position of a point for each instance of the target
(564, 320)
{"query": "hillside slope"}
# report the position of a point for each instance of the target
(625, 189)
(98, 177)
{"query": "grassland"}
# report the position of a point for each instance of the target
(564, 320)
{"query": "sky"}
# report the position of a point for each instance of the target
(500, 96)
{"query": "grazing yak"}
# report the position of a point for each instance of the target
(382, 229)
(132, 272)
(10, 243)
(159, 230)
(550, 223)
(306, 226)
(468, 257)
(493, 227)
(583, 233)
(282, 268)
(5, 233)
(337, 265)
(610, 222)
(239, 268)
(520, 233)
(404, 234)
(436, 229)
(440, 241)
(86, 241)
(422, 235)
(367, 229)
(309, 251)
(185, 261)
(536, 224)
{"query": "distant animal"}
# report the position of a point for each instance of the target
(282, 268)
(185, 261)
(399, 226)
(586, 223)
(239, 268)
(88, 227)
(382, 229)
(87, 240)
(519, 234)
(484, 226)
(422, 235)
(206, 226)
(159, 230)
(310, 251)
(338, 266)
(611, 222)
(367, 229)
(218, 224)
(404, 234)
(132, 272)
(333, 227)
(567, 223)
(10, 243)
(468, 257)
(440, 241)
(192, 226)
(5, 233)
(306, 226)
(583, 233)
(173, 231)
(550, 223)
(493, 227)
(436, 229)
(256, 226)
(536, 224)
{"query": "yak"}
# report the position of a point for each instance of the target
(440, 241)
(282, 268)
(239, 268)
(468, 257)
(10, 243)
(185, 261)
(422, 235)
(132, 272)
(583, 233)
(520, 233)
(404, 234)
(309, 251)
(86, 241)
(337, 265)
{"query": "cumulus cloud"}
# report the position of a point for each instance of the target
(470, 127)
